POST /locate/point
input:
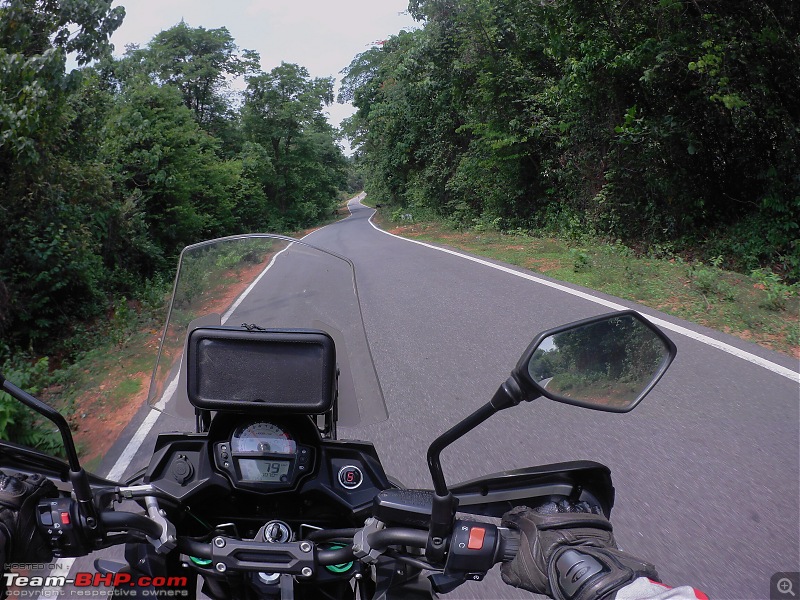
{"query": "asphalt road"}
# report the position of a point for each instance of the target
(706, 468)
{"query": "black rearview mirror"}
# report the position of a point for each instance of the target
(606, 363)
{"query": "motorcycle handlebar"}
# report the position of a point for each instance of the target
(398, 536)
(365, 546)
(335, 557)
(195, 548)
(379, 540)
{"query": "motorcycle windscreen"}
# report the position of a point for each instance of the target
(263, 281)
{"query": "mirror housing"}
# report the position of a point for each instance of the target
(609, 362)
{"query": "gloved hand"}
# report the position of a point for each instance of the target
(567, 551)
(19, 496)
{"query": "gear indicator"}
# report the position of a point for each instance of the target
(350, 477)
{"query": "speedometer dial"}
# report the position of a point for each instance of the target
(262, 438)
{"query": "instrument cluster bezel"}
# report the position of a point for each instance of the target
(301, 463)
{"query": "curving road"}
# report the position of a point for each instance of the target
(706, 468)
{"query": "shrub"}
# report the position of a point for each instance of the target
(17, 423)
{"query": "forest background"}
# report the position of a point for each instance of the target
(669, 126)
(109, 169)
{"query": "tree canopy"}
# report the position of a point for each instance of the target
(673, 122)
(107, 171)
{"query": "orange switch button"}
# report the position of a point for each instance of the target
(476, 535)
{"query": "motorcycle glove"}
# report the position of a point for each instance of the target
(567, 551)
(20, 538)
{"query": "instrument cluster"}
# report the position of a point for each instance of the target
(263, 455)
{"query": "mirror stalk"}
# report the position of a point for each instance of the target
(509, 394)
(444, 504)
(77, 476)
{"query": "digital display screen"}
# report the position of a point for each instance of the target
(263, 469)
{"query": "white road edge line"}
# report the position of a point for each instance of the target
(757, 360)
(250, 287)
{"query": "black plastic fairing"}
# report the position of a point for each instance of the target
(339, 454)
(173, 449)
(496, 494)
(185, 467)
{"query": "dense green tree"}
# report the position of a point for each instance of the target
(283, 114)
(108, 171)
(200, 63)
(255, 174)
(35, 38)
(167, 172)
(49, 266)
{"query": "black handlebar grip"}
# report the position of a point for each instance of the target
(509, 544)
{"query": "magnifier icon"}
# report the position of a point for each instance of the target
(784, 586)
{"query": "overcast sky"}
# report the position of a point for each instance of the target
(321, 35)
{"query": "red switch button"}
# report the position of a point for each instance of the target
(65, 518)
(476, 535)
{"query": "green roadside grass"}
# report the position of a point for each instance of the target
(757, 307)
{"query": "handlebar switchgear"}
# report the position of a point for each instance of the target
(475, 547)
(59, 520)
